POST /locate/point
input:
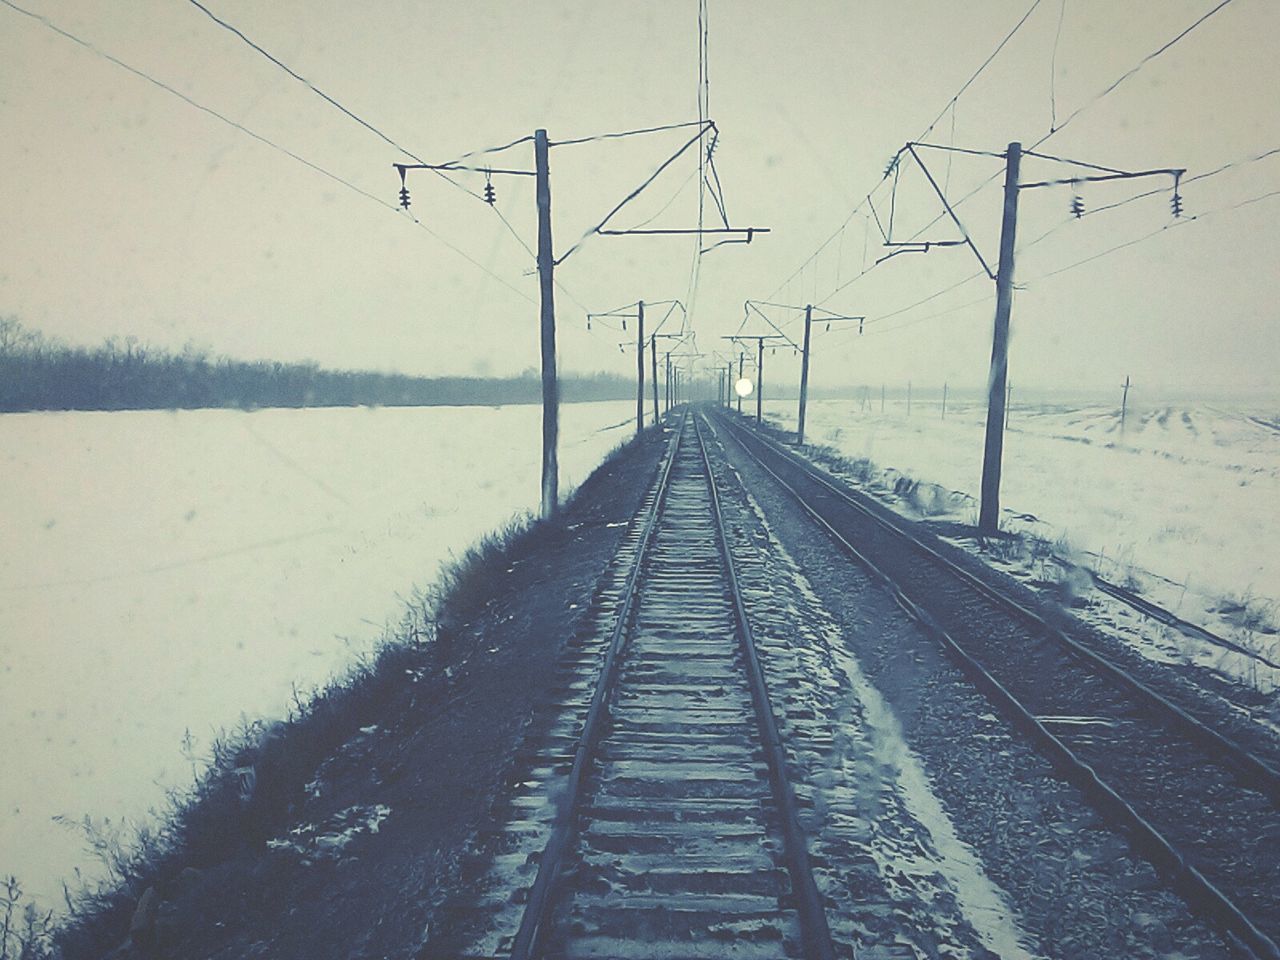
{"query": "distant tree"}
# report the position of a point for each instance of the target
(126, 374)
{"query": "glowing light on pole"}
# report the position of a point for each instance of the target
(744, 387)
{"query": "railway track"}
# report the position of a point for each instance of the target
(655, 817)
(1200, 806)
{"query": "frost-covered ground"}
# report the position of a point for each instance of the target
(166, 572)
(1180, 505)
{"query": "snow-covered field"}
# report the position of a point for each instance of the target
(1180, 505)
(166, 572)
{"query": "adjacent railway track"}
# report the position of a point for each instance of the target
(659, 813)
(1199, 805)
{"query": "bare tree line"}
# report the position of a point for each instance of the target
(38, 373)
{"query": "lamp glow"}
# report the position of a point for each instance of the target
(744, 387)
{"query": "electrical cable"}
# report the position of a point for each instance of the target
(674, 197)
(633, 194)
(986, 63)
(623, 133)
(927, 130)
(1155, 233)
(1130, 72)
(97, 51)
(1230, 165)
(1053, 69)
(369, 126)
(301, 79)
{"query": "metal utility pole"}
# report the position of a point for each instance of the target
(728, 379)
(759, 339)
(804, 374)
(550, 385)
(760, 382)
(667, 405)
(741, 358)
(640, 369)
(1124, 402)
(944, 400)
(998, 397)
(805, 354)
(989, 514)
(653, 369)
(908, 398)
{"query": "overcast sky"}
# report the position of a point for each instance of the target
(131, 213)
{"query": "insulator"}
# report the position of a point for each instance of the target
(490, 195)
(859, 326)
(1176, 203)
(1077, 206)
(624, 323)
(404, 197)
(828, 328)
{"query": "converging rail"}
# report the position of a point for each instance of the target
(1201, 806)
(675, 832)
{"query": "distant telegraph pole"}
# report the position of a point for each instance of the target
(1124, 402)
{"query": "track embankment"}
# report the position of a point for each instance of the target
(360, 844)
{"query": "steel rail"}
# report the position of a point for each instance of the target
(1198, 889)
(549, 864)
(1171, 619)
(814, 931)
(1253, 769)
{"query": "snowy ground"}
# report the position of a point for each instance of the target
(167, 572)
(1180, 506)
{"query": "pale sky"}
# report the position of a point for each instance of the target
(131, 213)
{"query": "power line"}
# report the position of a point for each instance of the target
(704, 110)
(614, 136)
(1053, 69)
(365, 123)
(99, 52)
(1130, 72)
(951, 103)
(301, 79)
(1053, 131)
(1230, 165)
(985, 63)
(634, 193)
(1109, 89)
(1155, 233)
